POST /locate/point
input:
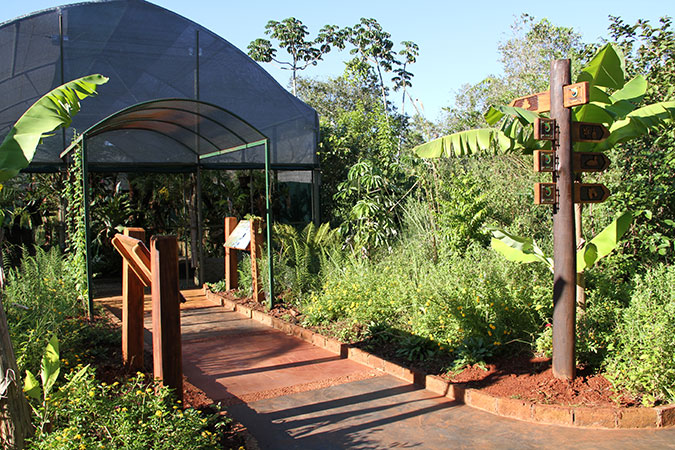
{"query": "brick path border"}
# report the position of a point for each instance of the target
(574, 416)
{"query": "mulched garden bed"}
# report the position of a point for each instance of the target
(523, 377)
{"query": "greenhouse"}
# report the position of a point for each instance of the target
(180, 99)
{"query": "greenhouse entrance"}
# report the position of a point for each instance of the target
(206, 137)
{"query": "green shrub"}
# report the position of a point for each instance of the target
(132, 415)
(644, 359)
(41, 301)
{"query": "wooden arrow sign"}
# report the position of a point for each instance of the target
(589, 132)
(590, 193)
(544, 193)
(573, 95)
(590, 161)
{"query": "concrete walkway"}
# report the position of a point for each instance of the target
(292, 395)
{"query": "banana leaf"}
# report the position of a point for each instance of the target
(54, 110)
(604, 242)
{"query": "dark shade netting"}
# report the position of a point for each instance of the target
(151, 53)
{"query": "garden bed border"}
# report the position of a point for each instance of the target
(573, 416)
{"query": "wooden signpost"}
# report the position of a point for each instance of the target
(243, 236)
(157, 268)
(562, 193)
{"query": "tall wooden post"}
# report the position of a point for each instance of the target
(132, 310)
(15, 423)
(166, 339)
(256, 253)
(231, 274)
(564, 277)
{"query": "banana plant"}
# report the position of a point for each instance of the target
(525, 249)
(613, 102)
(50, 368)
(54, 110)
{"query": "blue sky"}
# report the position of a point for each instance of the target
(458, 40)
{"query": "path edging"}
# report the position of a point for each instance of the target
(574, 416)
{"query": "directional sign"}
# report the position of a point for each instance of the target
(589, 132)
(544, 193)
(573, 95)
(590, 161)
(544, 129)
(590, 193)
(544, 161)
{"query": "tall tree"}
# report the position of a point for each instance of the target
(373, 45)
(403, 77)
(291, 35)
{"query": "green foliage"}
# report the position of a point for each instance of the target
(291, 35)
(39, 298)
(73, 194)
(306, 253)
(131, 415)
(54, 110)
(463, 210)
(643, 358)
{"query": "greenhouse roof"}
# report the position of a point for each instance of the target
(200, 131)
(179, 96)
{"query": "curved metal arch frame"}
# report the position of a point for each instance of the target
(92, 131)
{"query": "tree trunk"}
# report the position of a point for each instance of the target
(581, 279)
(15, 423)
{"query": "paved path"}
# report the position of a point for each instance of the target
(292, 395)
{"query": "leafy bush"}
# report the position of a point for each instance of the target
(131, 415)
(643, 360)
(40, 299)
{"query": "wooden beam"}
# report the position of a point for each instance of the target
(166, 335)
(132, 310)
(231, 273)
(256, 253)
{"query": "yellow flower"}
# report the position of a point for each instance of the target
(489, 333)
(77, 437)
(159, 413)
(492, 326)
(92, 394)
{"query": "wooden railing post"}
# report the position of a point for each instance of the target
(256, 254)
(166, 338)
(231, 274)
(132, 310)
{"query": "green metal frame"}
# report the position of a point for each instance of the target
(86, 192)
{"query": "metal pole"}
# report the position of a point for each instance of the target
(268, 219)
(564, 248)
(200, 228)
(85, 193)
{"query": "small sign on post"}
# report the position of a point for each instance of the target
(244, 237)
(544, 129)
(545, 193)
